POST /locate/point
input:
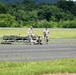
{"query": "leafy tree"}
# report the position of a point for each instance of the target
(3, 8)
(73, 10)
(65, 5)
(61, 14)
(28, 5)
(69, 24)
(7, 20)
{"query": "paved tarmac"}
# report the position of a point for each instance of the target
(49, 51)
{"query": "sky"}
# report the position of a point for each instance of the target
(74, 0)
(71, 0)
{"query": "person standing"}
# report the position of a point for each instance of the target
(30, 33)
(46, 35)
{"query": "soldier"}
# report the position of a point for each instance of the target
(30, 33)
(46, 35)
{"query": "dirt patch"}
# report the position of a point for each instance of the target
(62, 74)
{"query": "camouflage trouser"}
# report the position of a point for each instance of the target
(46, 38)
(30, 38)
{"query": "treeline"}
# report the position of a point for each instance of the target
(61, 14)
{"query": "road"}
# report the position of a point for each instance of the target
(37, 52)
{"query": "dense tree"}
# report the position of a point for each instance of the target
(65, 5)
(28, 5)
(7, 20)
(73, 10)
(61, 14)
(3, 8)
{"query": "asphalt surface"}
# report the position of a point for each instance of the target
(49, 51)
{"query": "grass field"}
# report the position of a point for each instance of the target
(38, 68)
(54, 33)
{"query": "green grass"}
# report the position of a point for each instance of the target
(39, 67)
(63, 34)
(53, 33)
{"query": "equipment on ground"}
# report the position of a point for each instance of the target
(21, 39)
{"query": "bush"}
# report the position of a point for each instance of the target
(69, 24)
(46, 24)
(42, 24)
(6, 20)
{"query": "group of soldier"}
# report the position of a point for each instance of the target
(45, 33)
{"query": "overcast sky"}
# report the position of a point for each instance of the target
(74, 0)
